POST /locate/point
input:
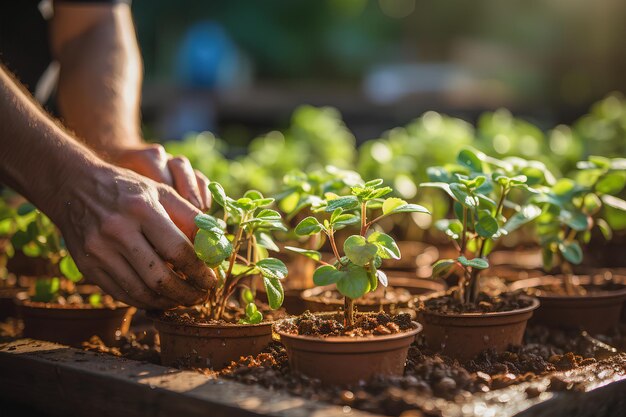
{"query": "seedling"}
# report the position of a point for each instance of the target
(481, 188)
(573, 208)
(356, 272)
(236, 246)
(37, 237)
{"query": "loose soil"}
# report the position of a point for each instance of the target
(309, 324)
(200, 315)
(448, 304)
(75, 301)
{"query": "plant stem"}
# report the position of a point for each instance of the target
(333, 244)
(464, 233)
(348, 312)
(364, 225)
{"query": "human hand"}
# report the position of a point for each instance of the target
(152, 161)
(131, 236)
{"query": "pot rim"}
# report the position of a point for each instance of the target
(154, 316)
(518, 311)
(346, 340)
(308, 296)
(21, 299)
(585, 279)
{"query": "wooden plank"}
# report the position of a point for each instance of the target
(60, 380)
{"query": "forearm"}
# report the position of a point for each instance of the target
(37, 158)
(101, 73)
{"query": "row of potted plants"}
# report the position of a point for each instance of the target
(490, 199)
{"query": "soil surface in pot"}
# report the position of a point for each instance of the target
(364, 325)
(388, 295)
(591, 289)
(75, 301)
(449, 304)
(200, 315)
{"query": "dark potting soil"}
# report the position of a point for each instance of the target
(578, 290)
(309, 324)
(76, 301)
(449, 304)
(388, 295)
(201, 315)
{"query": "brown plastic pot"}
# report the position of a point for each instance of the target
(210, 345)
(340, 360)
(315, 302)
(463, 336)
(71, 325)
(596, 312)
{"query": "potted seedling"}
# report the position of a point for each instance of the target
(55, 308)
(341, 348)
(572, 209)
(226, 327)
(466, 320)
(302, 193)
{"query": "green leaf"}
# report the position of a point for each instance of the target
(69, 269)
(25, 208)
(354, 282)
(274, 291)
(326, 275)
(487, 225)
(46, 289)
(476, 263)
(266, 241)
(345, 203)
(604, 227)
(611, 201)
(470, 159)
(308, 226)
(374, 183)
(247, 296)
(313, 254)
(571, 251)
(373, 279)
(207, 222)
(382, 278)
(391, 204)
(443, 267)
(387, 247)
(253, 315)
(272, 268)
(524, 215)
(575, 219)
(600, 161)
(359, 250)
(612, 183)
(218, 194)
(212, 248)
(462, 196)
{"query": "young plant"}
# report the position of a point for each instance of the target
(236, 246)
(37, 237)
(481, 188)
(572, 208)
(356, 270)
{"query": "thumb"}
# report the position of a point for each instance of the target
(181, 211)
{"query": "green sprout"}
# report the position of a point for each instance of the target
(236, 246)
(356, 272)
(482, 188)
(572, 208)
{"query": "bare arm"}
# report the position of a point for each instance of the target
(99, 93)
(122, 229)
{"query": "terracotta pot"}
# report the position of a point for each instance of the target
(347, 360)
(463, 336)
(210, 345)
(71, 325)
(7, 302)
(596, 312)
(315, 301)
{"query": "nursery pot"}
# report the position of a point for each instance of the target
(596, 312)
(346, 360)
(209, 345)
(71, 325)
(462, 336)
(316, 302)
